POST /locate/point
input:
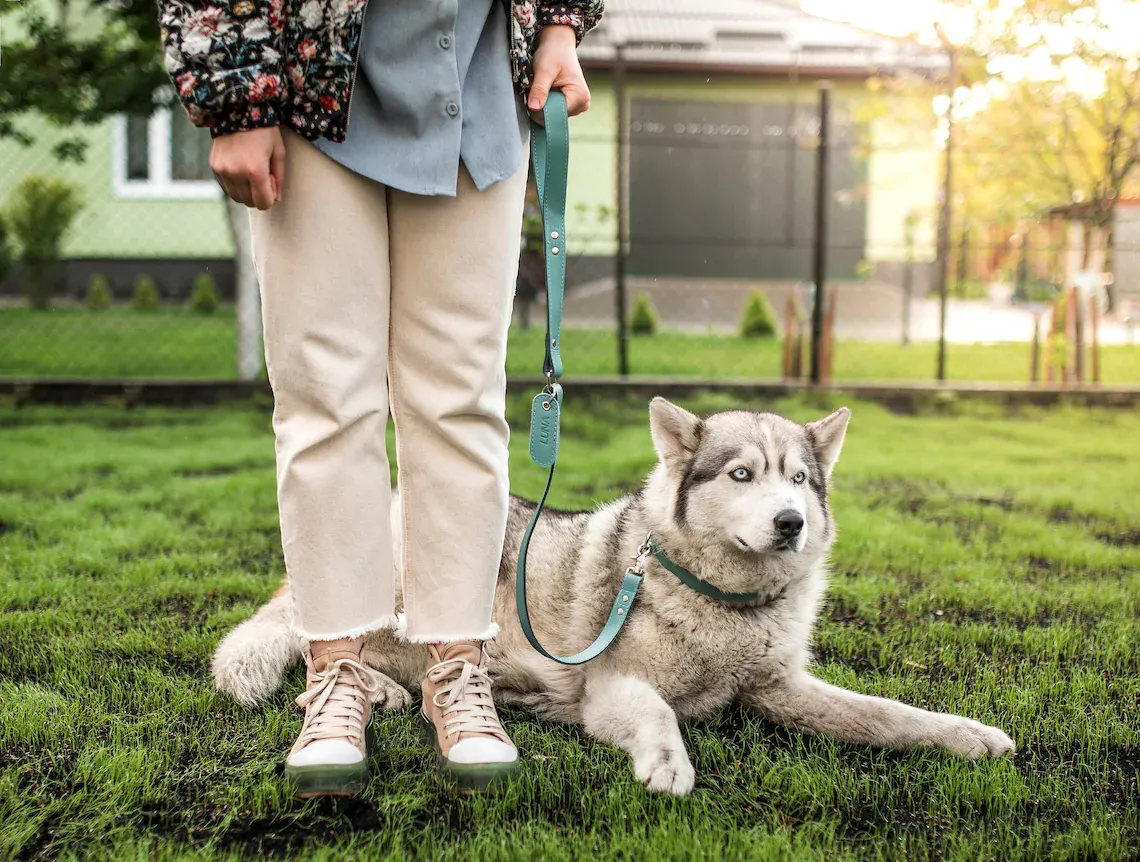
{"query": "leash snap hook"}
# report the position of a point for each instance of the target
(643, 551)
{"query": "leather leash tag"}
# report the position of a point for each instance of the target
(545, 415)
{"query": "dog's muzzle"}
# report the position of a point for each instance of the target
(789, 524)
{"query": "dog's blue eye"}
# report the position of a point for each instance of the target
(799, 478)
(741, 474)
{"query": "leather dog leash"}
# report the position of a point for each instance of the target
(550, 156)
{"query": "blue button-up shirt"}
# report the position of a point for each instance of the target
(433, 87)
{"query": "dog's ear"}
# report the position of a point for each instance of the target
(676, 432)
(826, 437)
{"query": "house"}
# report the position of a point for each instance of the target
(721, 99)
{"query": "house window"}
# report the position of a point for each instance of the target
(162, 156)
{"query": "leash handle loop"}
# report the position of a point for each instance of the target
(550, 156)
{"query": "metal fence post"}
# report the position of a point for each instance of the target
(944, 215)
(622, 214)
(819, 258)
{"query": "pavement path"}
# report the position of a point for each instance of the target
(865, 310)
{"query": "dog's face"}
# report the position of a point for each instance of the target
(755, 483)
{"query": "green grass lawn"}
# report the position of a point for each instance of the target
(124, 343)
(986, 564)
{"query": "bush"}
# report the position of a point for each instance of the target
(145, 297)
(204, 296)
(6, 255)
(1060, 313)
(759, 319)
(644, 318)
(40, 213)
(98, 293)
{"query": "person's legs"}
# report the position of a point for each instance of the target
(322, 260)
(454, 262)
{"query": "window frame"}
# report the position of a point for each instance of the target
(159, 183)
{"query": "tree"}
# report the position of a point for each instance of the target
(78, 65)
(1053, 113)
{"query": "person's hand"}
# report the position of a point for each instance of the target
(250, 166)
(556, 67)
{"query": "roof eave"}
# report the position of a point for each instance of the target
(778, 70)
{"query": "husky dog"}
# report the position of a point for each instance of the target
(739, 499)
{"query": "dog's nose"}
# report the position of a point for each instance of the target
(789, 523)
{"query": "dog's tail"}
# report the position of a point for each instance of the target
(251, 661)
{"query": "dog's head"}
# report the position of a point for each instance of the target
(748, 483)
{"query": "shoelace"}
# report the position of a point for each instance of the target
(466, 700)
(337, 705)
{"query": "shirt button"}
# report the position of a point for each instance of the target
(452, 109)
(445, 42)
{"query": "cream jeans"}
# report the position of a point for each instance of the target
(372, 296)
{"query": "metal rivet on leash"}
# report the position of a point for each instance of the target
(554, 250)
(554, 234)
(621, 611)
(545, 405)
(554, 342)
(625, 598)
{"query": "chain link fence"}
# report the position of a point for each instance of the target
(717, 221)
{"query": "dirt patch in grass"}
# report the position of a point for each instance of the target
(892, 612)
(1043, 565)
(215, 470)
(262, 561)
(1062, 515)
(1042, 618)
(182, 610)
(606, 489)
(284, 836)
(932, 503)
(1119, 786)
(1124, 775)
(1103, 529)
(900, 493)
(865, 663)
(868, 819)
(1006, 504)
(1124, 539)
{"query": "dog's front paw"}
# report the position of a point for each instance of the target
(666, 771)
(391, 695)
(972, 739)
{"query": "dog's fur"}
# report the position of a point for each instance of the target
(711, 502)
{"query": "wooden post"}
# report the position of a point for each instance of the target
(1070, 333)
(944, 211)
(789, 313)
(824, 345)
(1035, 356)
(622, 213)
(805, 360)
(1078, 337)
(1050, 335)
(797, 353)
(1094, 321)
(829, 337)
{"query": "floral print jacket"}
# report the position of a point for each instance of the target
(245, 64)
